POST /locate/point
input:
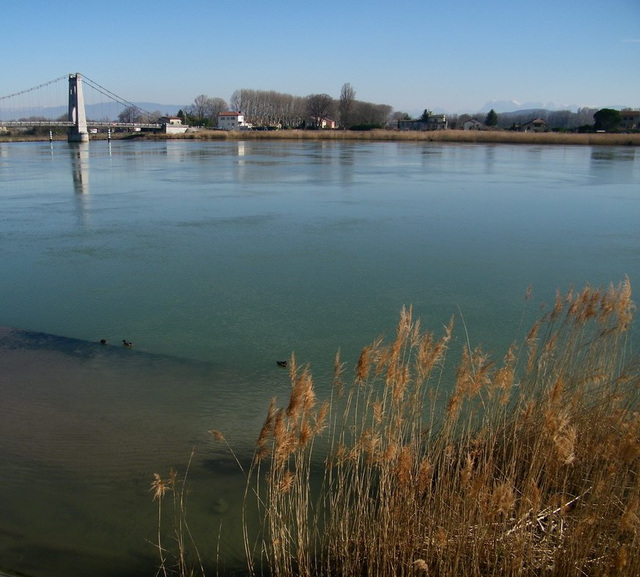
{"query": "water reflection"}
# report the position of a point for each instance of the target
(80, 166)
(490, 159)
(80, 174)
(346, 164)
(613, 164)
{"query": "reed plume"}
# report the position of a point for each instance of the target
(183, 558)
(529, 466)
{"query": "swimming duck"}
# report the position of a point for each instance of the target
(281, 363)
(103, 341)
(127, 343)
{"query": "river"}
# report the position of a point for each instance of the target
(216, 259)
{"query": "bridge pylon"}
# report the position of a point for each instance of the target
(78, 132)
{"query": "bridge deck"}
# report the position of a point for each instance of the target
(62, 123)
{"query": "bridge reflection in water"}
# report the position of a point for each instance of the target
(80, 168)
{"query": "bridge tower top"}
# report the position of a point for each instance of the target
(78, 132)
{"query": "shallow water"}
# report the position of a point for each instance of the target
(217, 259)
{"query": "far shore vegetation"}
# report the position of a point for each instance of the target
(452, 136)
(269, 114)
(527, 465)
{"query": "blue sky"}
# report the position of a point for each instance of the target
(412, 54)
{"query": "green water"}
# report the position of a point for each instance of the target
(217, 259)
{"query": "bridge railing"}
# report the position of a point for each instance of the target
(90, 123)
(105, 124)
(30, 123)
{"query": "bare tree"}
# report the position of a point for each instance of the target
(295, 107)
(199, 108)
(319, 106)
(453, 121)
(370, 114)
(131, 114)
(214, 107)
(151, 117)
(205, 110)
(347, 98)
(269, 108)
(399, 115)
(240, 101)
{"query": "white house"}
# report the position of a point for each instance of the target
(535, 125)
(172, 120)
(232, 120)
(630, 119)
(321, 123)
(173, 124)
(472, 124)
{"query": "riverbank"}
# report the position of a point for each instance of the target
(450, 136)
(445, 136)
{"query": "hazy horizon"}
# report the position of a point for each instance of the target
(110, 109)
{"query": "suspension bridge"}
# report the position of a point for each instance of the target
(76, 121)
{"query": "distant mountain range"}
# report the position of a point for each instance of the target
(501, 106)
(515, 106)
(103, 110)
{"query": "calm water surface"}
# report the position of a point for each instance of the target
(217, 259)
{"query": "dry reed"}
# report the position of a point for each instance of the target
(531, 466)
(444, 136)
(380, 135)
(182, 557)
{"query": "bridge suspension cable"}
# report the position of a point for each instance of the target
(34, 88)
(25, 112)
(93, 84)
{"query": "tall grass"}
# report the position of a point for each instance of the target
(180, 556)
(527, 466)
(451, 136)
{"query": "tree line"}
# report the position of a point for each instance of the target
(269, 108)
(584, 118)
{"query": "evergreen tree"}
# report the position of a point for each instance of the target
(491, 119)
(607, 119)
